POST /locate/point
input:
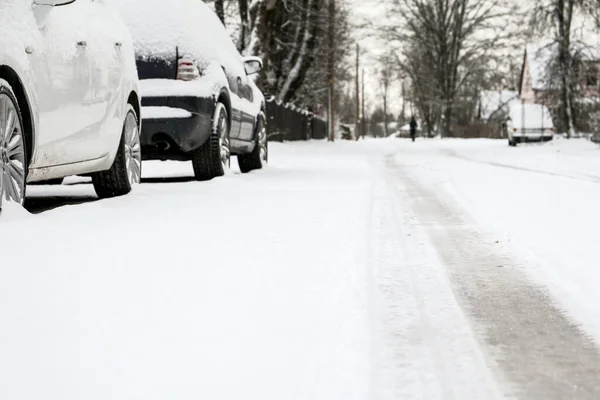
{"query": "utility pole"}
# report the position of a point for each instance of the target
(403, 116)
(332, 70)
(364, 116)
(358, 116)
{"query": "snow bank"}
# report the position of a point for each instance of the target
(12, 211)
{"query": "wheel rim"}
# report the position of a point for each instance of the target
(263, 144)
(12, 153)
(133, 150)
(224, 143)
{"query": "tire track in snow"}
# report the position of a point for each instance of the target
(423, 346)
(529, 341)
(580, 177)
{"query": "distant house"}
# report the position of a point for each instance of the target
(535, 85)
(493, 104)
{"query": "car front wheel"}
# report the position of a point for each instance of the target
(259, 157)
(126, 170)
(13, 160)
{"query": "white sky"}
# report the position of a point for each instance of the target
(372, 13)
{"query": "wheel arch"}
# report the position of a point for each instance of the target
(226, 100)
(134, 100)
(13, 79)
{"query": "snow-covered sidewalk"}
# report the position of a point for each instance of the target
(247, 287)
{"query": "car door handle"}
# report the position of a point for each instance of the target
(118, 45)
(82, 43)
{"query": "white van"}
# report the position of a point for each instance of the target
(528, 123)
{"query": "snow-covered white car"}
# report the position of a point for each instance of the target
(200, 102)
(528, 123)
(69, 102)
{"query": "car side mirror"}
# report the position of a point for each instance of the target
(253, 65)
(53, 3)
(42, 9)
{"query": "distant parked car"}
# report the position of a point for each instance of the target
(68, 96)
(200, 102)
(528, 123)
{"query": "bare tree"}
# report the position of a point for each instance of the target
(244, 25)
(558, 16)
(292, 38)
(455, 38)
(386, 77)
(220, 10)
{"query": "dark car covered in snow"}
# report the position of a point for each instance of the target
(200, 102)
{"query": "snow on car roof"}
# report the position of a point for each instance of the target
(159, 27)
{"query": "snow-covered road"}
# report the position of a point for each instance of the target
(373, 270)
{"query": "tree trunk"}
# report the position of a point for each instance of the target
(220, 10)
(245, 25)
(331, 63)
(358, 119)
(385, 113)
(301, 58)
(564, 14)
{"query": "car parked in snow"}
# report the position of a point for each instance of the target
(528, 123)
(200, 102)
(68, 96)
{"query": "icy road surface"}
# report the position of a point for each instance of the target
(374, 270)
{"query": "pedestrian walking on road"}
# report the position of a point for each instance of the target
(413, 128)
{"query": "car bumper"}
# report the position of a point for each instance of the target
(532, 138)
(175, 125)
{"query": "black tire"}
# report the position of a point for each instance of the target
(117, 180)
(6, 89)
(259, 157)
(512, 143)
(214, 157)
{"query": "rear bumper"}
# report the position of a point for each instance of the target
(532, 138)
(168, 136)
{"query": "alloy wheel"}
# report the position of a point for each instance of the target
(263, 144)
(133, 150)
(224, 144)
(12, 152)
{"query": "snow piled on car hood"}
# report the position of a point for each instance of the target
(158, 27)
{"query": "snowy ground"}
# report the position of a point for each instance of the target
(379, 270)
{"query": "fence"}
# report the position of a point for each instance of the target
(289, 123)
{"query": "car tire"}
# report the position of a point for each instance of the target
(213, 158)
(512, 143)
(126, 170)
(259, 157)
(13, 149)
